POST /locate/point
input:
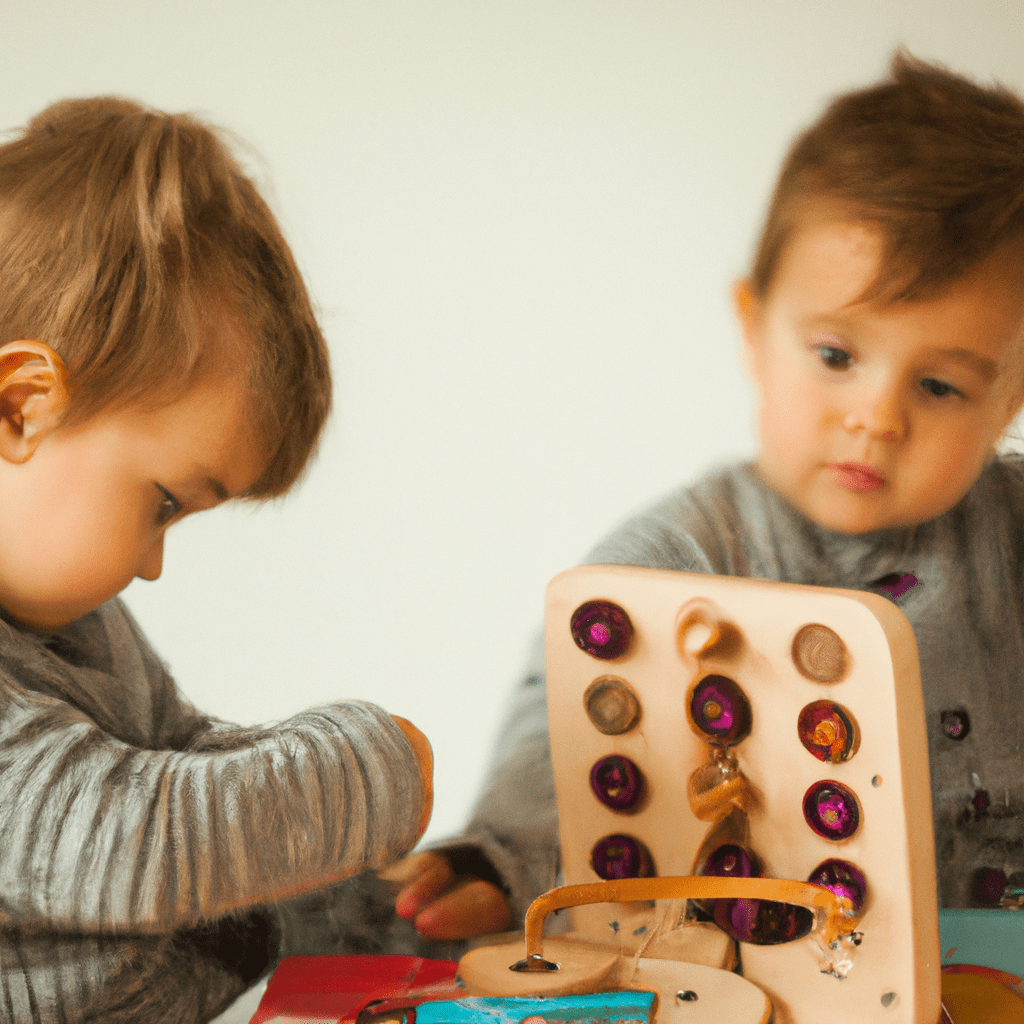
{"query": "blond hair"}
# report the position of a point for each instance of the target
(133, 244)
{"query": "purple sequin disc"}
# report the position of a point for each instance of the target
(831, 809)
(720, 709)
(843, 879)
(602, 629)
(761, 922)
(732, 861)
(617, 782)
(621, 856)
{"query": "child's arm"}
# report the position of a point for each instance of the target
(99, 835)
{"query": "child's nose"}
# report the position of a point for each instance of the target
(878, 412)
(153, 562)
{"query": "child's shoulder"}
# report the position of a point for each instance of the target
(694, 528)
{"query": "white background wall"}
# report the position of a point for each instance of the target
(519, 219)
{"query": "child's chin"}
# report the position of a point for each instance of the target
(838, 517)
(48, 619)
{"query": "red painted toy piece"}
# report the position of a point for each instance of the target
(335, 989)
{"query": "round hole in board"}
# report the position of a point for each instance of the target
(888, 998)
(703, 631)
(876, 781)
(820, 654)
(695, 636)
(687, 995)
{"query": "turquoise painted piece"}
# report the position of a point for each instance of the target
(986, 938)
(592, 1008)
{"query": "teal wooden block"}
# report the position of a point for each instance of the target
(593, 1008)
(987, 938)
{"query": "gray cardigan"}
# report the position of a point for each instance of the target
(967, 611)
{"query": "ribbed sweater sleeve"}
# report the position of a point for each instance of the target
(102, 834)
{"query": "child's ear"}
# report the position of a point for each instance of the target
(748, 312)
(33, 397)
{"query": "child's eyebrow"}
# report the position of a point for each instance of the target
(205, 481)
(214, 485)
(985, 367)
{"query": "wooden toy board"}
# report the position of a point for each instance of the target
(786, 648)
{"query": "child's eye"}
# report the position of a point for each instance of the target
(169, 506)
(939, 388)
(834, 358)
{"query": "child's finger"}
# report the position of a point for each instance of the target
(474, 907)
(433, 877)
(406, 870)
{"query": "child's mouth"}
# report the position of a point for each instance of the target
(855, 476)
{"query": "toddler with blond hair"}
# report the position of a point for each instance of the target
(159, 356)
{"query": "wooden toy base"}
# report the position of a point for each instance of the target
(341, 989)
(686, 992)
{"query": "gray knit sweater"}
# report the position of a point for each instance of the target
(967, 611)
(138, 837)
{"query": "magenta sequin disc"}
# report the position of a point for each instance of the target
(831, 809)
(617, 782)
(720, 710)
(761, 922)
(843, 879)
(732, 861)
(602, 629)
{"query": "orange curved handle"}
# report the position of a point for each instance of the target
(833, 914)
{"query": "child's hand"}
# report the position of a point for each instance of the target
(443, 905)
(421, 748)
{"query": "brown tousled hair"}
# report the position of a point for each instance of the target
(936, 162)
(133, 244)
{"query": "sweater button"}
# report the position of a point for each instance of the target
(987, 887)
(956, 724)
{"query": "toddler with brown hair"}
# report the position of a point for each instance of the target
(883, 328)
(158, 356)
